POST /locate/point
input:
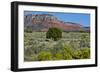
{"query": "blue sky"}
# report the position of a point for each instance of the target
(80, 18)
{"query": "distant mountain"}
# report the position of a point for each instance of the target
(42, 22)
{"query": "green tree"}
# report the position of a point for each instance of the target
(54, 33)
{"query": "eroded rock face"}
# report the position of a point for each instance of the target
(42, 22)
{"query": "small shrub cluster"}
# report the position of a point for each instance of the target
(65, 53)
(28, 30)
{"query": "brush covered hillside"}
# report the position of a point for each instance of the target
(48, 38)
(42, 22)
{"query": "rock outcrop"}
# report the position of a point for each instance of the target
(42, 22)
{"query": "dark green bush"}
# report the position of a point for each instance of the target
(54, 33)
(28, 29)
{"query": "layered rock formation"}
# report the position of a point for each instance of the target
(42, 22)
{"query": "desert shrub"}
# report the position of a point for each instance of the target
(58, 56)
(67, 56)
(83, 53)
(32, 57)
(54, 33)
(28, 29)
(74, 44)
(68, 52)
(29, 58)
(85, 41)
(44, 55)
(28, 52)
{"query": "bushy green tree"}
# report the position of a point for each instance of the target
(54, 33)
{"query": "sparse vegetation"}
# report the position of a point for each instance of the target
(72, 45)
